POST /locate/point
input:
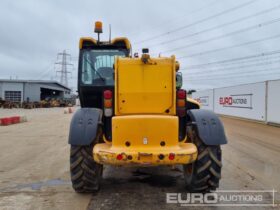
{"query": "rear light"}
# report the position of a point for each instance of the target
(119, 157)
(181, 94)
(108, 112)
(181, 102)
(171, 156)
(108, 103)
(108, 94)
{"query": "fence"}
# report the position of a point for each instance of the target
(257, 101)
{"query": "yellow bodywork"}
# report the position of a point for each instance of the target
(145, 88)
(142, 139)
(145, 126)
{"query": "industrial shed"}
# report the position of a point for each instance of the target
(32, 90)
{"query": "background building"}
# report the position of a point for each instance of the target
(32, 90)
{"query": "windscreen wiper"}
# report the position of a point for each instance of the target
(92, 67)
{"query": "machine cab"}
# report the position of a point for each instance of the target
(96, 67)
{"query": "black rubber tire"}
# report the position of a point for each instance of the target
(85, 172)
(205, 173)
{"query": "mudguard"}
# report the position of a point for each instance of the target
(84, 124)
(208, 126)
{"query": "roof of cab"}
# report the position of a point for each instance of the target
(114, 41)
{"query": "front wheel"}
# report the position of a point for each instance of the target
(204, 174)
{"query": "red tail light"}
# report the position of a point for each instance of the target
(181, 102)
(108, 103)
(181, 94)
(108, 94)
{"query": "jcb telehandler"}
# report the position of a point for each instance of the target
(134, 113)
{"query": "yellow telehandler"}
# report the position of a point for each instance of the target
(134, 113)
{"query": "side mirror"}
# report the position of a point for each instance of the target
(145, 50)
(179, 80)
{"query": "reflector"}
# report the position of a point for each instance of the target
(171, 156)
(119, 156)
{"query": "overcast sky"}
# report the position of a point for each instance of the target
(197, 31)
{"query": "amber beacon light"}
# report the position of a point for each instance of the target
(98, 27)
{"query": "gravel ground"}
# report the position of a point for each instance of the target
(34, 167)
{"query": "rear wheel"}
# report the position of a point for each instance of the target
(85, 172)
(204, 174)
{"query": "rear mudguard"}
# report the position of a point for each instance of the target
(84, 124)
(208, 126)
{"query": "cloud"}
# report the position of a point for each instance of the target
(34, 31)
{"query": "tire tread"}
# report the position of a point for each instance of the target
(207, 168)
(85, 172)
